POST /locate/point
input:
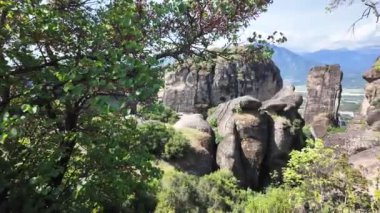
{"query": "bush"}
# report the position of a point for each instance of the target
(176, 146)
(324, 181)
(217, 192)
(273, 200)
(155, 135)
(177, 193)
(158, 112)
(213, 122)
(163, 141)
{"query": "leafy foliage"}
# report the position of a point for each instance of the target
(106, 170)
(155, 135)
(211, 193)
(159, 112)
(324, 180)
(176, 146)
(316, 179)
(70, 73)
(273, 200)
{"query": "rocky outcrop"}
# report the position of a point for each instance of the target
(371, 103)
(286, 128)
(199, 159)
(257, 137)
(361, 140)
(245, 138)
(195, 87)
(323, 97)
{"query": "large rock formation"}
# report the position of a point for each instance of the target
(200, 158)
(257, 137)
(323, 97)
(371, 103)
(286, 130)
(195, 87)
(361, 140)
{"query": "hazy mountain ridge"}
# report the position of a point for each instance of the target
(295, 66)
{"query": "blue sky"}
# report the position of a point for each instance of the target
(309, 27)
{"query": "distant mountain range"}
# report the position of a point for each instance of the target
(295, 66)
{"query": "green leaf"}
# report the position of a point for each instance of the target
(26, 107)
(13, 132)
(68, 86)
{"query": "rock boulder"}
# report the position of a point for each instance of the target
(200, 158)
(257, 138)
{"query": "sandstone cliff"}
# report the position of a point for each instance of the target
(323, 97)
(195, 87)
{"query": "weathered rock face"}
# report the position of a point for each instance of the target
(373, 74)
(197, 87)
(371, 103)
(368, 163)
(200, 158)
(361, 140)
(286, 128)
(257, 138)
(323, 97)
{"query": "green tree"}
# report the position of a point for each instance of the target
(70, 73)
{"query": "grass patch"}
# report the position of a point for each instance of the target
(335, 130)
(194, 135)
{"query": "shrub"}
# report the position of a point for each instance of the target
(176, 146)
(217, 192)
(155, 135)
(177, 193)
(158, 112)
(273, 200)
(324, 180)
(213, 122)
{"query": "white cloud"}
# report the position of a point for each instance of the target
(309, 27)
